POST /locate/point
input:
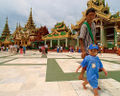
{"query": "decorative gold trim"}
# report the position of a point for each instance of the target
(57, 37)
(117, 30)
(115, 20)
(99, 8)
(103, 15)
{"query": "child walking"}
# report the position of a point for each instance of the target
(92, 64)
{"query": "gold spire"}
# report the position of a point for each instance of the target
(30, 11)
(30, 22)
(7, 20)
(6, 31)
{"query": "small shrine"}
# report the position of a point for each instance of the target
(59, 36)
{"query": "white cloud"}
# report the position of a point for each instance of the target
(45, 12)
(19, 6)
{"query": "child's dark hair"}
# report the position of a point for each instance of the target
(90, 10)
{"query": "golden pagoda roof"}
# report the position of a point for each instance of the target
(92, 4)
(104, 16)
(60, 30)
(75, 27)
(30, 23)
(102, 12)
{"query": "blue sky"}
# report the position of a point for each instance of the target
(45, 12)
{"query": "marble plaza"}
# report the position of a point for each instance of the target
(32, 74)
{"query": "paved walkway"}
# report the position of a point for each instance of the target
(53, 75)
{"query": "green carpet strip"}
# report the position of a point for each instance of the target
(55, 73)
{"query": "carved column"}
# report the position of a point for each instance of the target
(58, 42)
(115, 36)
(103, 36)
(51, 43)
(45, 42)
(78, 42)
(66, 42)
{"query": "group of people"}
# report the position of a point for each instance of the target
(76, 49)
(13, 48)
(71, 49)
(59, 49)
(3, 48)
(89, 48)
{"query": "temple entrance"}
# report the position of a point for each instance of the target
(54, 43)
(110, 37)
(98, 34)
(62, 43)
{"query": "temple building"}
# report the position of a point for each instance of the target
(107, 25)
(25, 35)
(29, 35)
(60, 36)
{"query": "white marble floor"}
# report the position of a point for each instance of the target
(30, 80)
(28, 61)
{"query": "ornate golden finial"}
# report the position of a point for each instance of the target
(6, 20)
(30, 10)
(94, 0)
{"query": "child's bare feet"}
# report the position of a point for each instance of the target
(99, 88)
(84, 86)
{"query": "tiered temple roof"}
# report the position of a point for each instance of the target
(6, 31)
(6, 37)
(60, 30)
